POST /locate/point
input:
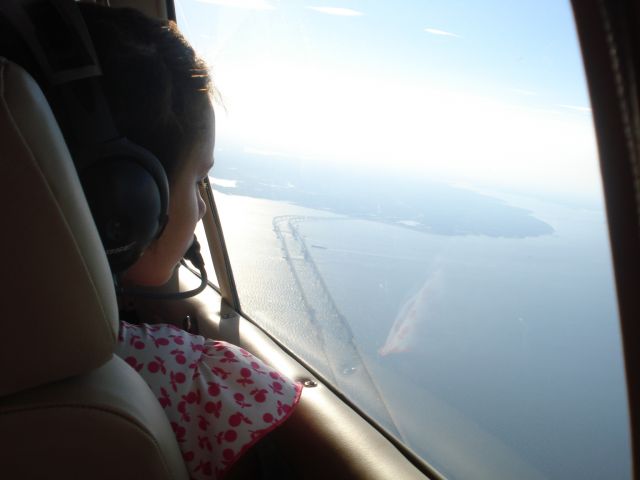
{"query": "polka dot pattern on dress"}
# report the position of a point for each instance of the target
(219, 398)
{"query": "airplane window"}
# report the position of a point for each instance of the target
(411, 200)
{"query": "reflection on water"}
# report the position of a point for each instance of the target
(411, 314)
(490, 356)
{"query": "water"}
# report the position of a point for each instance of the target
(491, 355)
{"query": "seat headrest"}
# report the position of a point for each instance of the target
(58, 310)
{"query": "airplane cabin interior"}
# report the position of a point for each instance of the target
(71, 408)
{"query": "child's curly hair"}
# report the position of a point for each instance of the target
(158, 89)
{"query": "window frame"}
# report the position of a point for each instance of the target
(608, 33)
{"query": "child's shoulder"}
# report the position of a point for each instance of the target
(219, 398)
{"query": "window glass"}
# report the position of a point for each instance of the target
(411, 200)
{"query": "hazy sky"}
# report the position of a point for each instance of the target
(488, 92)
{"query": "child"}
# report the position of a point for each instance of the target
(219, 399)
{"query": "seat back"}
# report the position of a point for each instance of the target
(68, 407)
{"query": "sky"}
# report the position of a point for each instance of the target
(490, 93)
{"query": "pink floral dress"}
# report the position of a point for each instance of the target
(219, 398)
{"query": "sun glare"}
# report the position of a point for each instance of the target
(458, 136)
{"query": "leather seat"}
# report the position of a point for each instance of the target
(69, 408)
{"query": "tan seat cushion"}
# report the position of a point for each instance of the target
(58, 307)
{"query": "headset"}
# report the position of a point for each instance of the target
(125, 185)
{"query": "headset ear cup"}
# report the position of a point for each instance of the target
(154, 168)
(128, 194)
